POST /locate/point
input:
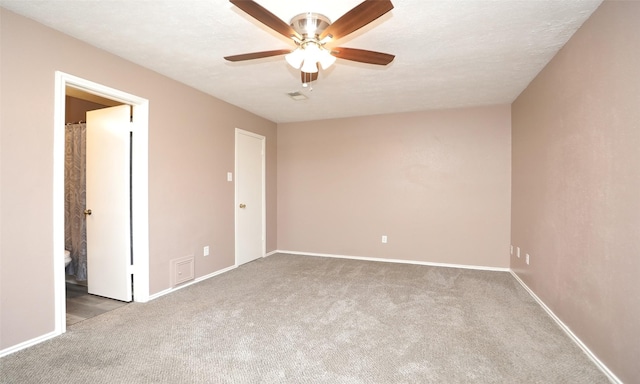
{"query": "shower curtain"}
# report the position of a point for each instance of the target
(75, 190)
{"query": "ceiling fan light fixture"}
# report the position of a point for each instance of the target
(312, 52)
(295, 58)
(309, 56)
(312, 55)
(326, 58)
(309, 66)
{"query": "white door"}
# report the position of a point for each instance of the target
(250, 196)
(109, 199)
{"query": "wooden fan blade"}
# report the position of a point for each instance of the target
(267, 18)
(308, 77)
(362, 55)
(257, 55)
(358, 17)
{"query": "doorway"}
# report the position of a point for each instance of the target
(97, 158)
(139, 187)
(250, 209)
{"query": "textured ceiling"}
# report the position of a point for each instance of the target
(449, 53)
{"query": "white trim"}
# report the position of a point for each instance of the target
(140, 188)
(199, 279)
(271, 253)
(263, 139)
(610, 375)
(445, 265)
(59, 291)
(28, 343)
(51, 335)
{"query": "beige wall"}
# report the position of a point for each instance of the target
(576, 185)
(436, 183)
(191, 149)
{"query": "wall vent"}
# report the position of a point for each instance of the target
(182, 270)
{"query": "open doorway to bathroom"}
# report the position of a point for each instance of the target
(80, 303)
(97, 96)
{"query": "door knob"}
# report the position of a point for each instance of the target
(243, 206)
(87, 211)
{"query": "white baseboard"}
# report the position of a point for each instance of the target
(28, 343)
(610, 375)
(475, 267)
(40, 339)
(194, 281)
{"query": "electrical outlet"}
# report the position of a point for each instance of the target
(518, 252)
(384, 239)
(205, 251)
(527, 260)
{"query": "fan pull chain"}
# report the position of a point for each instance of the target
(308, 78)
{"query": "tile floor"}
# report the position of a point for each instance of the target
(81, 305)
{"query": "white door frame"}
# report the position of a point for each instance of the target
(264, 191)
(140, 188)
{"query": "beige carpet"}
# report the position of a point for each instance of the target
(297, 319)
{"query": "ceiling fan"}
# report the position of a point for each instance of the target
(312, 31)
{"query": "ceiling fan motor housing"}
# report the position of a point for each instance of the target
(310, 25)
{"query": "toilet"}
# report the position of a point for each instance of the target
(67, 257)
